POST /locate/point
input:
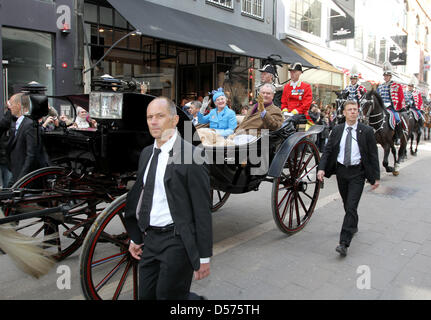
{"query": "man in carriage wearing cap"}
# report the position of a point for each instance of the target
(414, 100)
(354, 89)
(392, 95)
(297, 96)
(268, 73)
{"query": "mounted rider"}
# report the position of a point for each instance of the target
(392, 95)
(414, 100)
(354, 90)
(297, 96)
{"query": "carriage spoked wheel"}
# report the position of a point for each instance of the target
(108, 271)
(218, 199)
(50, 188)
(295, 192)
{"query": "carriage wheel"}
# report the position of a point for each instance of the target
(108, 271)
(295, 192)
(52, 181)
(218, 199)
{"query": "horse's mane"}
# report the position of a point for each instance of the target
(377, 96)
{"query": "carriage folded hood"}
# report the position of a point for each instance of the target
(174, 25)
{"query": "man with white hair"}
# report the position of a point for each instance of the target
(264, 114)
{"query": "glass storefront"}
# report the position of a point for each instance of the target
(27, 56)
(323, 83)
(165, 68)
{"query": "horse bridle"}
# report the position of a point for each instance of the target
(367, 118)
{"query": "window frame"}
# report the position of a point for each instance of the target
(250, 14)
(221, 5)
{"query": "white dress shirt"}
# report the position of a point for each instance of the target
(160, 214)
(356, 155)
(18, 123)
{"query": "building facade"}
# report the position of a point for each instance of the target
(37, 43)
(182, 49)
(382, 29)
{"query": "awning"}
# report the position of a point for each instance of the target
(165, 23)
(368, 71)
(312, 57)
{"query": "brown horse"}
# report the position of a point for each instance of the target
(375, 115)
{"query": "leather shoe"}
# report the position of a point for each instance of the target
(342, 249)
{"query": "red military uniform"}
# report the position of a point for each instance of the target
(418, 99)
(397, 96)
(297, 98)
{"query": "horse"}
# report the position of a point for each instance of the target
(427, 123)
(415, 129)
(375, 115)
(342, 97)
(339, 105)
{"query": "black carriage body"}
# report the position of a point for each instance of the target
(240, 169)
(116, 144)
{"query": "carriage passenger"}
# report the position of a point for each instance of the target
(297, 96)
(83, 120)
(222, 119)
(195, 106)
(51, 121)
(263, 115)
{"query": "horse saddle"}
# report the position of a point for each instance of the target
(416, 114)
(392, 119)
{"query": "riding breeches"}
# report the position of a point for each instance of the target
(395, 113)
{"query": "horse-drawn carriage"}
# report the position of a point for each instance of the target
(82, 197)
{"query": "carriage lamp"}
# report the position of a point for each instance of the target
(38, 100)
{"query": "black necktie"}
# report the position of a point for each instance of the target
(348, 147)
(147, 198)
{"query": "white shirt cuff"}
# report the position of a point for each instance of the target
(205, 260)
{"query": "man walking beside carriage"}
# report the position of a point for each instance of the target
(167, 212)
(351, 154)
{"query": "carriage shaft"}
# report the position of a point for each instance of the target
(34, 214)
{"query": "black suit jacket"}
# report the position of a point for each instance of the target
(187, 189)
(367, 148)
(25, 149)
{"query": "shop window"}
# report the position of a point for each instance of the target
(120, 22)
(24, 65)
(382, 53)
(90, 12)
(305, 15)
(253, 8)
(105, 16)
(223, 3)
(117, 36)
(417, 31)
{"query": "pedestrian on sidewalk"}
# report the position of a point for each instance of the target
(167, 212)
(351, 154)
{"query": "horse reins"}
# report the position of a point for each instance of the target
(368, 116)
